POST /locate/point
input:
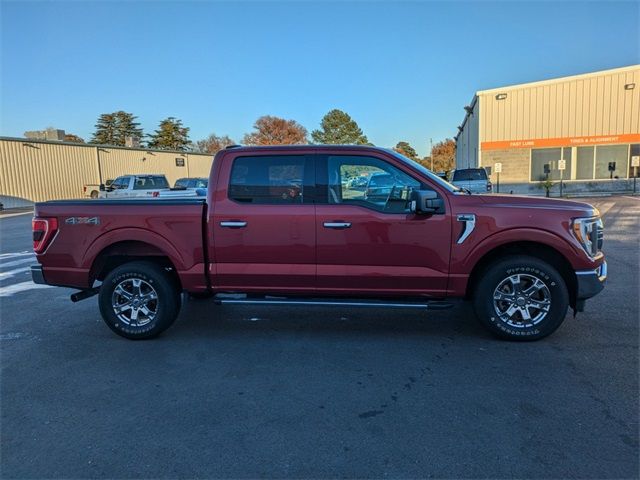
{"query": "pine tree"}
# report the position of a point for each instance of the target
(171, 135)
(126, 126)
(407, 150)
(114, 128)
(337, 127)
(105, 133)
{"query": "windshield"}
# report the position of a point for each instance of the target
(469, 175)
(425, 171)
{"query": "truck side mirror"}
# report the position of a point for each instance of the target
(102, 187)
(425, 201)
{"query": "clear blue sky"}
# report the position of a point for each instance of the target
(403, 71)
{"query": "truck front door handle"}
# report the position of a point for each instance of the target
(233, 224)
(337, 224)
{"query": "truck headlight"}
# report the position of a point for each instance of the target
(590, 233)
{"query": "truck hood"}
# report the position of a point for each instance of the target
(519, 201)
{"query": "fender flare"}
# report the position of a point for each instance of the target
(132, 234)
(517, 235)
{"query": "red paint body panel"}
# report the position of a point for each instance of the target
(174, 230)
(382, 252)
(286, 248)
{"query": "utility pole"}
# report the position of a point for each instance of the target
(431, 152)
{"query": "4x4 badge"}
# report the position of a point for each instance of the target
(82, 221)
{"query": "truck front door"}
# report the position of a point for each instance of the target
(369, 242)
(263, 224)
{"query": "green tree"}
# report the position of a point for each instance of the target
(171, 135)
(270, 130)
(126, 126)
(407, 150)
(213, 144)
(114, 128)
(337, 127)
(105, 133)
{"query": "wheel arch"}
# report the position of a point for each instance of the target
(534, 249)
(118, 253)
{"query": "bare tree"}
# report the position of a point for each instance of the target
(270, 130)
(213, 144)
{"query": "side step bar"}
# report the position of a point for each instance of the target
(233, 299)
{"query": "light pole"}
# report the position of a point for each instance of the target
(431, 152)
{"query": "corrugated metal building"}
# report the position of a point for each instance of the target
(586, 120)
(38, 170)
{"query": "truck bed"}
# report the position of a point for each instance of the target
(90, 231)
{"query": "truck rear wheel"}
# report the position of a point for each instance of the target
(139, 300)
(521, 298)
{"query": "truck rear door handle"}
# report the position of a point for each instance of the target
(337, 224)
(233, 224)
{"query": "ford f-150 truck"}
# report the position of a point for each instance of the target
(279, 226)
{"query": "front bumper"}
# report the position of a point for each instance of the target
(591, 282)
(37, 275)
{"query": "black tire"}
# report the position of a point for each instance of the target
(94, 194)
(138, 281)
(505, 315)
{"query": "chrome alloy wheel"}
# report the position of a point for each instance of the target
(135, 302)
(522, 300)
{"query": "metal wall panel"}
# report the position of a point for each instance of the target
(583, 105)
(34, 171)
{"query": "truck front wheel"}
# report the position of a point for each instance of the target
(139, 300)
(521, 298)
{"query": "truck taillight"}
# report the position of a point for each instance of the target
(44, 228)
(84, 188)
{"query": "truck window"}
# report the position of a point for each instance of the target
(120, 183)
(268, 179)
(469, 175)
(369, 182)
(150, 182)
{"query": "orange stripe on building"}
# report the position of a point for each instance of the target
(562, 142)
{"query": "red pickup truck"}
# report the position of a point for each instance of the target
(288, 226)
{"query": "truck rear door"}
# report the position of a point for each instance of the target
(263, 223)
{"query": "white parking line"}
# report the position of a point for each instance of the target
(31, 259)
(605, 207)
(9, 215)
(12, 273)
(20, 287)
(16, 254)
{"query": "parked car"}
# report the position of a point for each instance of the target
(191, 183)
(199, 185)
(358, 182)
(136, 186)
(383, 185)
(473, 179)
(521, 261)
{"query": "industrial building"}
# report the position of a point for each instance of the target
(589, 124)
(34, 170)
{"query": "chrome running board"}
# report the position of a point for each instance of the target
(234, 299)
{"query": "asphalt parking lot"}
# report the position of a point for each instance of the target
(248, 392)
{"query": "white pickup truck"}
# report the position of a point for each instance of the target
(145, 186)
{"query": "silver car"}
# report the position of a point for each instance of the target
(473, 179)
